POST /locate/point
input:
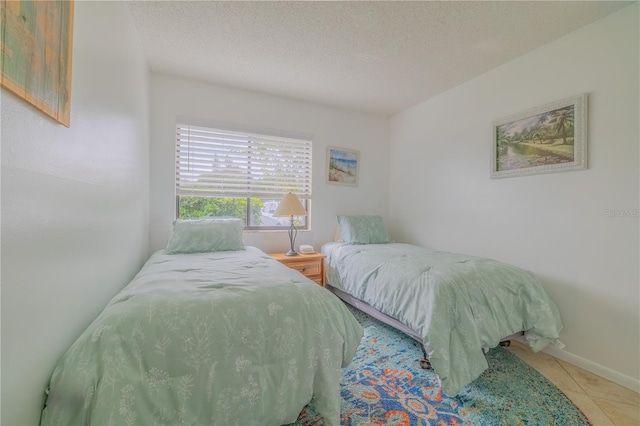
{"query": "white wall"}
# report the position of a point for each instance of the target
(74, 205)
(555, 224)
(173, 97)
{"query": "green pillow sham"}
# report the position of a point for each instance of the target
(205, 235)
(363, 229)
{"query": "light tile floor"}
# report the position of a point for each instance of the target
(602, 401)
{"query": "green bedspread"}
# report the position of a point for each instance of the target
(458, 304)
(226, 338)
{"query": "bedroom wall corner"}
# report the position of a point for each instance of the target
(75, 205)
(579, 230)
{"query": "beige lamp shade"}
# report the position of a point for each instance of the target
(290, 205)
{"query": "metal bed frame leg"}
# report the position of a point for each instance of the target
(425, 364)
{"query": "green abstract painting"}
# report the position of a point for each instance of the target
(36, 40)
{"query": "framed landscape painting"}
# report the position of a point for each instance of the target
(342, 166)
(547, 139)
(35, 47)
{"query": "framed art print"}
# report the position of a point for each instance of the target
(342, 166)
(35, 47)
(547, 139)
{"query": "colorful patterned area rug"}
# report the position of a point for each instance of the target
(384, 385)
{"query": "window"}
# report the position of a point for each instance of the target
(238, 174)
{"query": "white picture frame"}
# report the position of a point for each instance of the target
(343, 166)
(547, 139)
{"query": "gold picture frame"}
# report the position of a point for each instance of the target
(36, 47)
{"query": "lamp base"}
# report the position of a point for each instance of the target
(291, 253)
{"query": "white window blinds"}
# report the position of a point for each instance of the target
(220, 163)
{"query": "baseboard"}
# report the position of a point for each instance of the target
(595, 368)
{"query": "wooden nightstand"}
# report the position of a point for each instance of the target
(310, 265)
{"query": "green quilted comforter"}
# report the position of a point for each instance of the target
(225, 338)
(458, 304)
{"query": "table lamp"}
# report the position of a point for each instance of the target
(290, 206)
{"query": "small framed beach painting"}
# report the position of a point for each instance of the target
(547, 139)
(342, 166)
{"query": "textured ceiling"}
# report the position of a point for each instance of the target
(378, 57)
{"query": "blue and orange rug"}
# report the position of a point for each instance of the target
(384, 385)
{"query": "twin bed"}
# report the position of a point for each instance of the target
(208, 332)
(212, 332)
(454, 305)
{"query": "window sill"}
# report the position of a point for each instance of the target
(262, 231)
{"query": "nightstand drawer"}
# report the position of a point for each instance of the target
(310, 265)
(316, 278)
(307, 268)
